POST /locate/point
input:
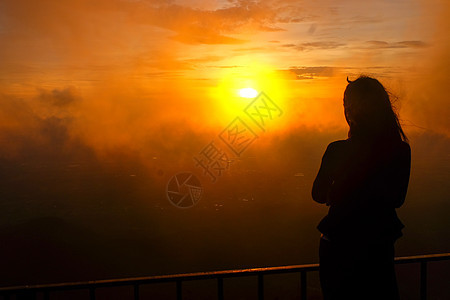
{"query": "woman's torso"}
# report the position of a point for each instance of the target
(368, 183)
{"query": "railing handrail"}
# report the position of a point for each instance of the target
(203, 275)
(164, 278)
(421, 258)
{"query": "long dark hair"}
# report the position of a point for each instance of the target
(369, 113)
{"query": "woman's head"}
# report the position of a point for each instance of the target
(369, 112)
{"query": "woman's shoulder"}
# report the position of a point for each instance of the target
(337, 148)
(339, 144)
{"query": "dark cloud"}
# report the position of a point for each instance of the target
(311, 72)
(402, 44)
(314, 46)
(58, 97)
(412, 44)
(28, 133)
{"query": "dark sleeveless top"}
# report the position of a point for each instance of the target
(363, 183)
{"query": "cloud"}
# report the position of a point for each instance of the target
(307, 46)
(58, 97)
(26, 132)
(208, 38)
(311, 72)
(395, 45)
(196, 26)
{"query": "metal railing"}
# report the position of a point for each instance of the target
(46, 289)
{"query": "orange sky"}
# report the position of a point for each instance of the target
(113, 71)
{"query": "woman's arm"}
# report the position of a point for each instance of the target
(322, 183)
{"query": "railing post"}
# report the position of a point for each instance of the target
(423, 280)
(92, 293)
(46, 295)
(303, 285)
(260, 287)
(179, 291)
(136, 292)
(220, 288)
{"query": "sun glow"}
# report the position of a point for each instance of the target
(238, 87)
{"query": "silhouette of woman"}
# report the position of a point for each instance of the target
(362, 179)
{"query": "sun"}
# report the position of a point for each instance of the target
(248, 93)
(237, 88)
